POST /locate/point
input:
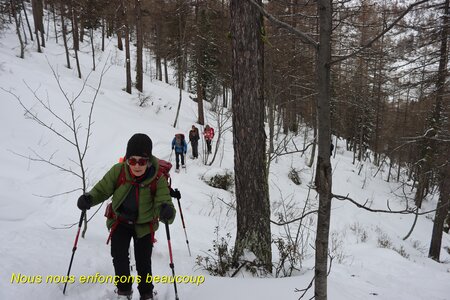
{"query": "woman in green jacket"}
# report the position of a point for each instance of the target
(134, 212)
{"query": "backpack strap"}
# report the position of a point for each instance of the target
(122, 177)
(163, 170)
(153, 185)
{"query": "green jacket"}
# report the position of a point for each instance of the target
(148, 209)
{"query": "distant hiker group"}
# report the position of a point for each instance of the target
(179, 145)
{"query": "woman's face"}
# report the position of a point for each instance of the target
(138, 165)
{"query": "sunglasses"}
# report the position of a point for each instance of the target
(141, 161)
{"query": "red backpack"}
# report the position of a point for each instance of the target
(163, 170)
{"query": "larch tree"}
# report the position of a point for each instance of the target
(252, 191)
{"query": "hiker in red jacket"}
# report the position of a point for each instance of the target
(208, 133)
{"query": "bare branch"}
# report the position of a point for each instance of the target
(367, 45)
(294, 220)
(46, 106)
(35, 117)
(56, 195)
(303, 36)
(406, 211)
(48, 161)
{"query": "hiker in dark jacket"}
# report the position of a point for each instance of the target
(180, 147)
(134, 211)
(193, 138)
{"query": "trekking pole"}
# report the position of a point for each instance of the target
(170, 157)
(171, 265)
(83, 213)
(182, 221)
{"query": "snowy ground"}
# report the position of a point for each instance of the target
(371, 261)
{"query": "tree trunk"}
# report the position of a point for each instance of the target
(323, 179)
(123, 10)
(34, 4)
(127, 57)
(225, 96)
(54, 22)
(38, 12)
(22, 24)
(81, 30)
(444, 172)
(139, 45)
(16, 21)
(74, 17)
(441, 213)
(201, 116)
(64, 34)
(252, 192)
(28, 22)
(103, 34)
(158, 51)
(119, 40)
(166, 75)
(92, 48)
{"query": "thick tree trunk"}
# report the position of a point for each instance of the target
(444, 172)
(323, 176)
(252, 192)
(441, 213)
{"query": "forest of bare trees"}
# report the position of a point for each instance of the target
(371, 72)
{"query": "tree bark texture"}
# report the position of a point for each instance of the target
(252, 192)
(323, 176)
(444, 172)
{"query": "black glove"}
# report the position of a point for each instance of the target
(175, 193)
(84, 202)
(166, 213)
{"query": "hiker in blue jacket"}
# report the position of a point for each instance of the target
(180, 147)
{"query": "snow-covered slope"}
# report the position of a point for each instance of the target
(37, 240)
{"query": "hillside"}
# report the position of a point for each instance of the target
(370, 258)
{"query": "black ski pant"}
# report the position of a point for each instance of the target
(208, 145)
(177, 159)
(194, 146)
(120, 244)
